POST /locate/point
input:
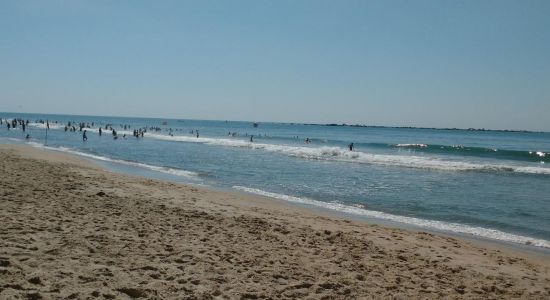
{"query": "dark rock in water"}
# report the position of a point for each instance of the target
(4, 263)
(34, 296)
(35, 280)
(460, 289)
(132, 292)
(101, 194)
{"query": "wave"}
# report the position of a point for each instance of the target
(412, 145)
(532, 156)
(108, 131)
(166, 170)
(341, 154)
(423, 223)
(44, 125)
(59, 126)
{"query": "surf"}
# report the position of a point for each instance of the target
(166, 170)
(340, 154)
(332, 153)
(482, 232)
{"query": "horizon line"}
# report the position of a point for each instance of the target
(335, 124)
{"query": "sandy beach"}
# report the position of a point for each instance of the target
(70, 230)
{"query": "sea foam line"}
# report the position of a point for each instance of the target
(341, 154)
(428, 224)
(166, 170)
(44, 125)
(412, 145)
(58, 126)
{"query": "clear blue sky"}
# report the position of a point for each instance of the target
(420, 63)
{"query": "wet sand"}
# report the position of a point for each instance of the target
(70, 230)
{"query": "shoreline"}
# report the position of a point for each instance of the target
(289, 245)
(363, 214)
(111, 166)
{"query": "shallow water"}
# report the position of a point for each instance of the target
(490, 184)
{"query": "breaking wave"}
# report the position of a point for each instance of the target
(341, 154)
(166, 170)
(397, 160)
(532, 156)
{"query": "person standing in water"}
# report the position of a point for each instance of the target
(100, 131)
(350, 146)
(84, 137)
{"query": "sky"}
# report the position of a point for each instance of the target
(482, 64)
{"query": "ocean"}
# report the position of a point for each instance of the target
(485, 184)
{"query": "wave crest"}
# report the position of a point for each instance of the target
(341, 154)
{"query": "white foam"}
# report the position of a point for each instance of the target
(412, 145)
(341, 154)
(107, 131)
(62, 126)
(177, 172)
(538, 153)
(428, 224)
(44, 126)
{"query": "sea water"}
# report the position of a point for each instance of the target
(489, 184)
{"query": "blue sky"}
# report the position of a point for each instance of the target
(418, 63)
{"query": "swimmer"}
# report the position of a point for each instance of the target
(84, 137)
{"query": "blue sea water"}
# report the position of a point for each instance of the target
(488, 184)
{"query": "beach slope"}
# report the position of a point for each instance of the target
(71, 230)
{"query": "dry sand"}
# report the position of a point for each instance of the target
(71, 230)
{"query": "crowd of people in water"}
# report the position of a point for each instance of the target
(84, 127)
